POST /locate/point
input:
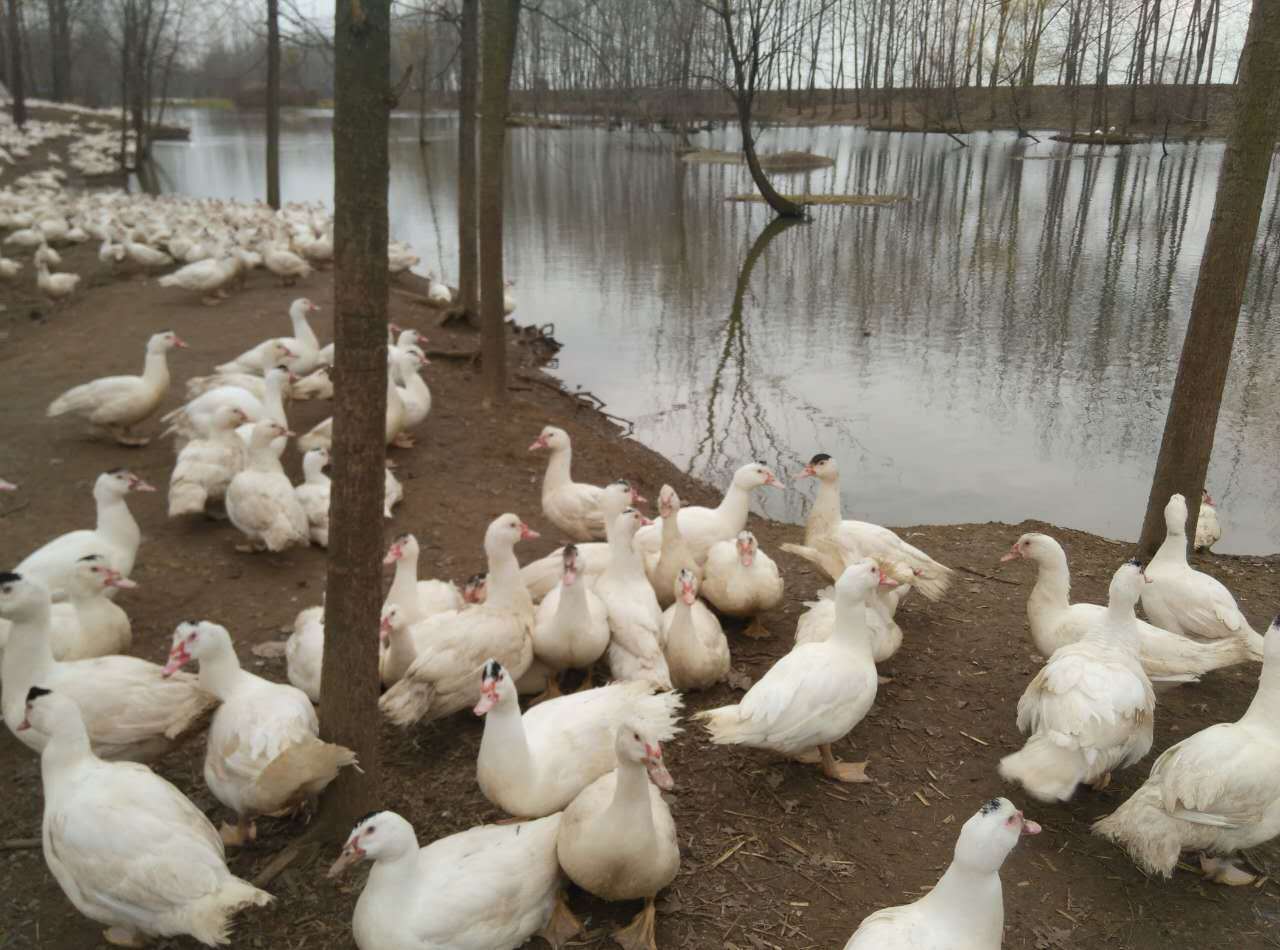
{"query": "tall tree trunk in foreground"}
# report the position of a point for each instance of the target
(273, 103)
(500, 19)
(468, 260)
(350, 686)
(59, 49)
(1206, 352)
(16, 88)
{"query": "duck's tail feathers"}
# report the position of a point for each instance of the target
(725, 724)
(1049, 772)
(186, 498)
(73, 400)
(210, 917)
(301, 771)
(408, 701)
(1145, 831)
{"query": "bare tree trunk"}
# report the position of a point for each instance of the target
(1215, 310)
(353, 592)
(59, 49)
(273, 103)
(500, 21)
(468, 261)
(16, 87)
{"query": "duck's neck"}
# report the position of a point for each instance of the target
(1052, 591)
(825, 514)
(1265, 708)
(115, 521)
(623, 560)
(414, 385)
(682, 625)
(302, 330)
(273, 399)
(396, 870)
(631, 808)
(1173, 550)
(671, 536)
(262, 458)
(734, 506)
(572, 612)
(557, 475)
(505, 741)
(65, 750)
(851, 629)
(506, 590)
(404, 589)
(402, 651)
(220, 674)
(155, 371)
(1121, 627)
(28, 656)
(969, 899)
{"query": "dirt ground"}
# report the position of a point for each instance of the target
(774, 856)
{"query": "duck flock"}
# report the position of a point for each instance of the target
(627, 613)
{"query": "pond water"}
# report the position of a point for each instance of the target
(1001, 346)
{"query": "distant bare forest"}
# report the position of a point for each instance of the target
(898, 63)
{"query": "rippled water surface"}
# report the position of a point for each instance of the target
(1001, 346)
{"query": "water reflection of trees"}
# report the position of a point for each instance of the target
(1026, 297)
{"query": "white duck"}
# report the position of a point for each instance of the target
(1208, 530)
(740, 580)
(965, 909)
(313, 495)
(674, 555)
(694, 643)
(303, 347)
(205, 466)
(635, 619)
(818, 620)
(571, 625)
(321, 434)
(195, 418)
(87, 623)
(317, 384)
(419, 599)
(260, 500)
(818, 692)
(1091, 709)
(443, 895)
(127, 848)
(618, 839)
(264, 754)
(392, 491)
(144, 256)
(1056, 622)
(116, 535)
(508, 298)
(414, 394)
(536, 764)
(130, 710)
(831, 542)
(1213, 792)
(703, 527)
(55, 286)
(542, 575)
(117, 403)
(9, 268)
(438, 294)
(209, 276)
(573, 507)
(1187, 601)
(285, 264)
(442, 679)
(304, 652)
